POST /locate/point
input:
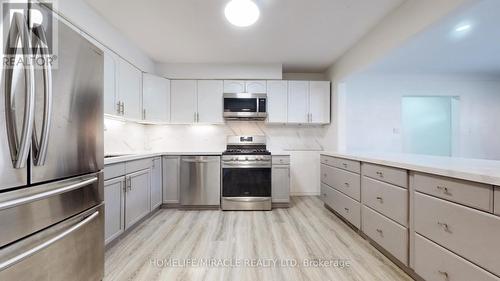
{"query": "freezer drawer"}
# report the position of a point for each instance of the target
(70, 250)
(25, 211)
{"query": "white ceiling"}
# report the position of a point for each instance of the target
(442, 50)
(303, 35)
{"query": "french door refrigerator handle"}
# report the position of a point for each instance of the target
(40, 148)
(19, 147)
(42, 195)
(47, 243)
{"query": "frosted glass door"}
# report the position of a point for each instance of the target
(427, 125)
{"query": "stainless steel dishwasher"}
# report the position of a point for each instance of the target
(200, 181)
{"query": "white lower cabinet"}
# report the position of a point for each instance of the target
(114, 208)
(467, 232)
(387, 233)
(435, 263)
(171, 175)
(280, 180)
(497, 200)
(132, 190)
(346, 207)
(137, 197)
(156, 184)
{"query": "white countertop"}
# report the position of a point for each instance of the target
(478, 170)
(142, 155)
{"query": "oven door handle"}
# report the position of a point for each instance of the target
(247, 199)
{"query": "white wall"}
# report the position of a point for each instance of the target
(373, 112)
(219, 71)
(412, 17)
(79, 13)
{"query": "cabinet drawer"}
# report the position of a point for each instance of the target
(388, 199)
(392, 175)
(497, 200)
(343, 205)
(468, 193)
(137, 165)
(388, 234)
(346, 164)
(281, 160)
(344, 181)
(114, 170)
(435, 263)
(470, 233)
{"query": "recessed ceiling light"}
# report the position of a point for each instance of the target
(242, 13)
(463, 27)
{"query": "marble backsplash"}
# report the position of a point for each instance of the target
(129, 137)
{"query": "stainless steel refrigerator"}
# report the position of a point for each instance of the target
(51, 154)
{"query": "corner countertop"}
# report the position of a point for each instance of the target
(141, 155)
(477, 170)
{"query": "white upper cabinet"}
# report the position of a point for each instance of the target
(277, 99)
(256, 87)
(111, 98)
(183, 101)
(210, 106)
(298, 101)
(129, 86)
(319, 102)
(245, 86)
(155, 98)
(234, 86)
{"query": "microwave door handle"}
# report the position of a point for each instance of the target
(40, 148)
(19, 147)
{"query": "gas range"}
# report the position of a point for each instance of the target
(246, 174)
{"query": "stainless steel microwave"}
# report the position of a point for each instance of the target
(245, 106)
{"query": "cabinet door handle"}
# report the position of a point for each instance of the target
(346, 209)
(444, 226)
(144, 114)
(379, 198)
(344, 164)
(380, 174)
(346, 184)
(119, 108)
(444, 274)
(380, 232)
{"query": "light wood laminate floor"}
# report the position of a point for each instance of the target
(305, 232)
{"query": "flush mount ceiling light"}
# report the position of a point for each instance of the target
(461, 30)
(242, 13)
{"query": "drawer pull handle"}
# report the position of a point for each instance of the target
(380, 232)
(445, 275)
(380, 174)
(346, 184)
(380, 199)
(346, 209)
(444, 226)
(444, 189)
(344, 164)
